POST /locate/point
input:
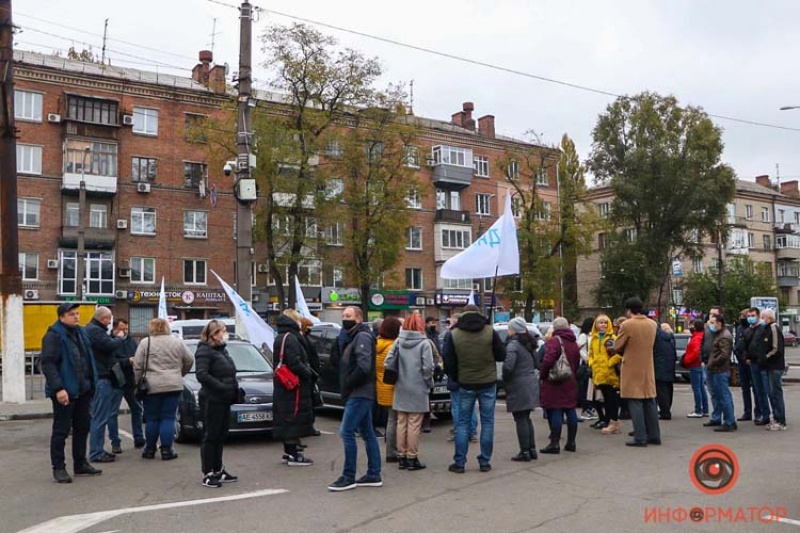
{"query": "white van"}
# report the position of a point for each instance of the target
(191, 329)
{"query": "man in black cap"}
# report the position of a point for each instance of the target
(70, 376)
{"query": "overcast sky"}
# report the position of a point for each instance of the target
(734, 58)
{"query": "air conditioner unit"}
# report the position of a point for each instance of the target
(53, 117)
(143, 187)
(127, 120)
(52, 263)
(122, 224)
(121, 295)
(31, 294)
(263, 268)
(124, 272)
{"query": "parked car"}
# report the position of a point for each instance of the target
(681, 340)
(191, 329)
(790, 339)
(323, 337)
(254, 373)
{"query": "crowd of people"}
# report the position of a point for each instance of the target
(612, 370)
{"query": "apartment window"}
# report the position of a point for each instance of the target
(541, 177)
(751, 240)
(143, 220)
(334, 187)
(28, 106)
(194, 271)
(414, 238)
(100, 158)
(193, 174)
(94, 110)
(412, 156)
(456, 239)
(334, 148)
(694, 235)
(310, 273)
(28, 212)
(543, 211)
(448, 200)
(483, 204)
(748, 212)
(29, 266)
(451, 155)
(374, 151)
(312, 229)
(604, 209)
(195, 224)
(601, 241)
(29, 159)
(788, 269)
(516, 206)
(630, 234)
(765, 214)
(72, 216)
(697, 265)
(512, 171)
(413, 200)
(333, 276)
(334, 234)
(194, 130)
(481, 165)
(414, 279)
(781, 215)
(143, 269)
(145, 121)
(457, 283)
(98, 216)
(455, 200)
(767, 242)
(67, 273)
(99, 273)
(143, 168)
(797, 217)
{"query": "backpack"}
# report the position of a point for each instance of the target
(560, 371)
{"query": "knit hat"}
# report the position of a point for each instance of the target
(518, 325)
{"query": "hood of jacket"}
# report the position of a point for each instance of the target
(286, 324)
(565, 334)
(609, 327)
(471, 321)
(411, 339)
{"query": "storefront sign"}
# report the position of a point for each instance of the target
(340, 296)
(101, 300)
(389, 300)
(451, 299)
(185, 297)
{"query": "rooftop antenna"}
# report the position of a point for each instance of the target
(213, 34)
(411, 96)
(105, 36)
(778, 174)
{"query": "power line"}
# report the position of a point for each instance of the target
(493, 66)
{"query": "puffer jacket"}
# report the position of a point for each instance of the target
(413, 362)
(216, 372)
(602, 364)
(168, 362)
(385, 392)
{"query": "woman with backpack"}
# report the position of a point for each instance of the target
(559, 387)
(521, 379)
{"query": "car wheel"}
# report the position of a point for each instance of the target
(181, 434)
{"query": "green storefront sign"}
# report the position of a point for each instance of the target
(101, 300)
(389, 300)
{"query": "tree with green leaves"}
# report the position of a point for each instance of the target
(662, 162)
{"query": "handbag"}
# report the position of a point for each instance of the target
(143, 387)
(117, 375)
(288, 379)
(561, 371)
(390, 375)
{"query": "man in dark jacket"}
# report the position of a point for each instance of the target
(744, 334)
(470, 353)
(124, 356)
(759, 375)
(107, 394)
(357, 385)
(70, 376)
(705, 353)
(664, 357)
(718, 366)
(768, 349)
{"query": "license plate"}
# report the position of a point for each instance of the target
(254, 416)
(440, 390)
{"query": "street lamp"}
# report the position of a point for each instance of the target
(79, 263)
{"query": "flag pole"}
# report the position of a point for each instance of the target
(491, 302)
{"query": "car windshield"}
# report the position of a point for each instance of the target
(245, 356)
(193, 332)
(681, 341)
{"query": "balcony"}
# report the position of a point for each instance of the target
(451, 177)
(452, 215)
(787, 247)
(788, 281)
(100, 184)
(94, 238)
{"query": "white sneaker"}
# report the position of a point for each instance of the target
(773, 426)
(694, 415)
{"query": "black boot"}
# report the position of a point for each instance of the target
(414, 464)
(572, 432)
(523, 456)
(402, 463)
(148, 453)
(167, 453)
(533, 454)
(555, 443)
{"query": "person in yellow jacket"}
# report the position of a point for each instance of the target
(387, 335)
(604, 363)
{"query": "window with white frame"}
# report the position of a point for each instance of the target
(72, 215)
(516, 206)
(334, 234)
(334, 148)
(413, 200)
(456, 239)
(441, 199)
(411, 156)
(630, 234)
(195, 224)
(312, 229)
(765, 214)
(310, 273)
(414, 238)
(100, 158)
(414, 279)
(99, 273)
(448, 200)
(483, 204)
(481, 165)
(694, 235)
(781, 215)
(604, 209)
(67, 272)
(334, 276)
(797, 217)
(697, 265)
(27, 105)
(543, 211)
(452, 155)
(92, 110)
(29, 159)
(143, 220)
(145, 121)
(457, 283)
(143, 169)
(788, 269)
(29, 266)
(28, 212)
(334, 188)
(143, 269)
(194, 271)
(98, 216)
(194, 173)
(748, 212)
(512, 170)
(751, 240)
(767, 242)
(542, 178)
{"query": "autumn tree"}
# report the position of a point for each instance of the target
(662, 162)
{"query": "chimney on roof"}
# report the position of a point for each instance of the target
(464, 118)
(486, 126)
(200, 71)
(764, 181)
(791, 188)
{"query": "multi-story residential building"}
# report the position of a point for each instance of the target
(153, 208)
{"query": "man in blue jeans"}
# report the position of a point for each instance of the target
(758, 378)
(357, 385)
(772, 360)
(470, 352)
(125, 357)
(719, 364)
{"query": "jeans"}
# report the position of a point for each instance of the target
(113, 418)
(776, 395)
(746, 383)
(555, 417)
(760, 379)
(455, 409)
(129, 393)
(644, 416)
(160, 410)
(73, 416)
(697, 376)
(105, 397)
(217, 419)
(525, 432)
(486, 398)
(716, 410)
(721, 397)
(358, 416)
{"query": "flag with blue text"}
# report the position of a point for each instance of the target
(162, 301)
(257, 331)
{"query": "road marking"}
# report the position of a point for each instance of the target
(323, 432)
(125, 434)
(786, 520)
(79, 522)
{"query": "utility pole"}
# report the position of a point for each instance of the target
(12, 338)
(105, 37)
(720, 270)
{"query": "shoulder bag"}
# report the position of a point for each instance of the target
(560, 371)
(287, 378)
(390, 375)
(143, 387)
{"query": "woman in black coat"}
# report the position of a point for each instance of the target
(293, 409)
(216, 373)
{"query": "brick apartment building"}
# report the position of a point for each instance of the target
(153, 206)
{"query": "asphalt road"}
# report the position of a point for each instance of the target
(605, 486)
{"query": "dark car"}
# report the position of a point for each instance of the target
(254, 373)
(681, 340)
(323, 337)
(790, 339)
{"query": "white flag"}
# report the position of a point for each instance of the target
(496, 252)
(162, 301)
(258, 332)
(471, 299)
(302, 306)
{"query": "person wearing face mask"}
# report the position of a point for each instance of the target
(743, 331)
(692, 363)
(760, 380)
(718, 366)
